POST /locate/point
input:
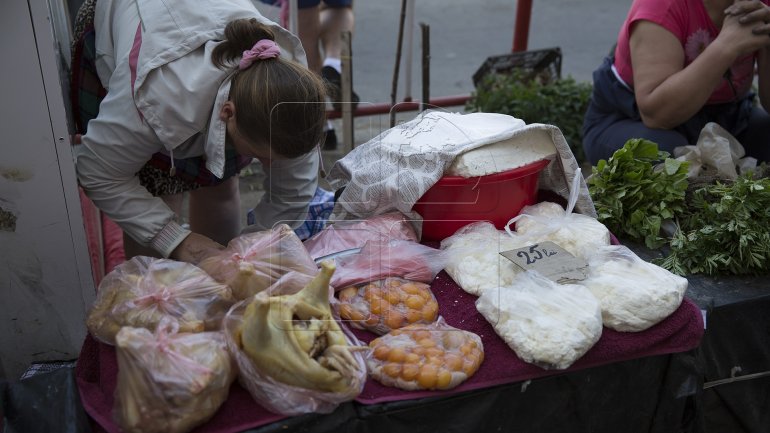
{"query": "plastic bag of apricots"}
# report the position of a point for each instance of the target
(388, 304)
(436, 356)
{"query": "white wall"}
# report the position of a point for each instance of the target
(45, 277)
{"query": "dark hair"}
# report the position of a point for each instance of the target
(278, 101)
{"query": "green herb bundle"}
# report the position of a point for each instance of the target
(633, 197)
(725, 230)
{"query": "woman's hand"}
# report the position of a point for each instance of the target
(194, 248)
(746, 27)
(753, 13)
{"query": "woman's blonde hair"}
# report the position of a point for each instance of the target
(277, 101)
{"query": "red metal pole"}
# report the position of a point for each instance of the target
(521, 28)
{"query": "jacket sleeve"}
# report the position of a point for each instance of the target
(115, 147)
(289, 186)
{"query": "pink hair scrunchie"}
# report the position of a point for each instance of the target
(263, 49)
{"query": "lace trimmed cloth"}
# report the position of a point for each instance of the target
(394, 169)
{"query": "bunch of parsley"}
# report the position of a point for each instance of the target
(637, 189)
(724, 231)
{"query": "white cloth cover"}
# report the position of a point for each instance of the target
(393, 170)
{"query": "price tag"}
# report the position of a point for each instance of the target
(550, 260)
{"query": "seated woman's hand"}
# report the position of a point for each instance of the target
(754, 14)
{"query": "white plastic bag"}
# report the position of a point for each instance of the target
(255, 261)
(579, 234)
(425, 356)
(144, 290)
(717, 151)
(293, 356)
(634, 294)
(396, 258)
(169, 382)
(473, 257)
(345, 235)
(547, 324)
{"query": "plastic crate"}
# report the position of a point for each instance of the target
(544, 64)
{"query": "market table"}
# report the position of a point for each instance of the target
(646, 379)
(639, 388)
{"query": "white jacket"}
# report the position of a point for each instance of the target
(164, 95)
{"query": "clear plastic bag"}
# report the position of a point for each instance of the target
(473, 257)
(144, 290)
(169, 382)
(350, 234)
(547, 324)
(254, 261)
(634, 294)
(383, 305)
(378, 260)
(578, 234)
(420, 356)
(293, 356)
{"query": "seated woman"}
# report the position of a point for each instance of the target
(677, 65)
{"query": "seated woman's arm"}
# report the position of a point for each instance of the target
(667, 93)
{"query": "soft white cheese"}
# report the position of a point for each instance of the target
(546, 324)
(504, 155)
(474, 259)
(579, 234)
(633, 294)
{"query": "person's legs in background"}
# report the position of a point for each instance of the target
(309, 26)
(320, 28)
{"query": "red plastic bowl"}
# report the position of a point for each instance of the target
(454, 201)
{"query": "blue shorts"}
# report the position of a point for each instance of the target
(304, 4)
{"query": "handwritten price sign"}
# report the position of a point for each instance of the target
(550, 260)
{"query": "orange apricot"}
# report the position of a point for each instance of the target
(465, 349)
(397, 354)
(381, 352)
(413, 316)
(427, 376)
(470, 366)
(392, 369)
(376, 306)
(394, 283)
(411, 288)
(418, 350)
(348, 293)
(434, 352)
(415, 302)
(394, 319)
(412, 358)
(409, 371)
(393, 296)
(443, 379)
(430, 311)
(346, 310)
(371, 293)
(453, 361)
(427, 343)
